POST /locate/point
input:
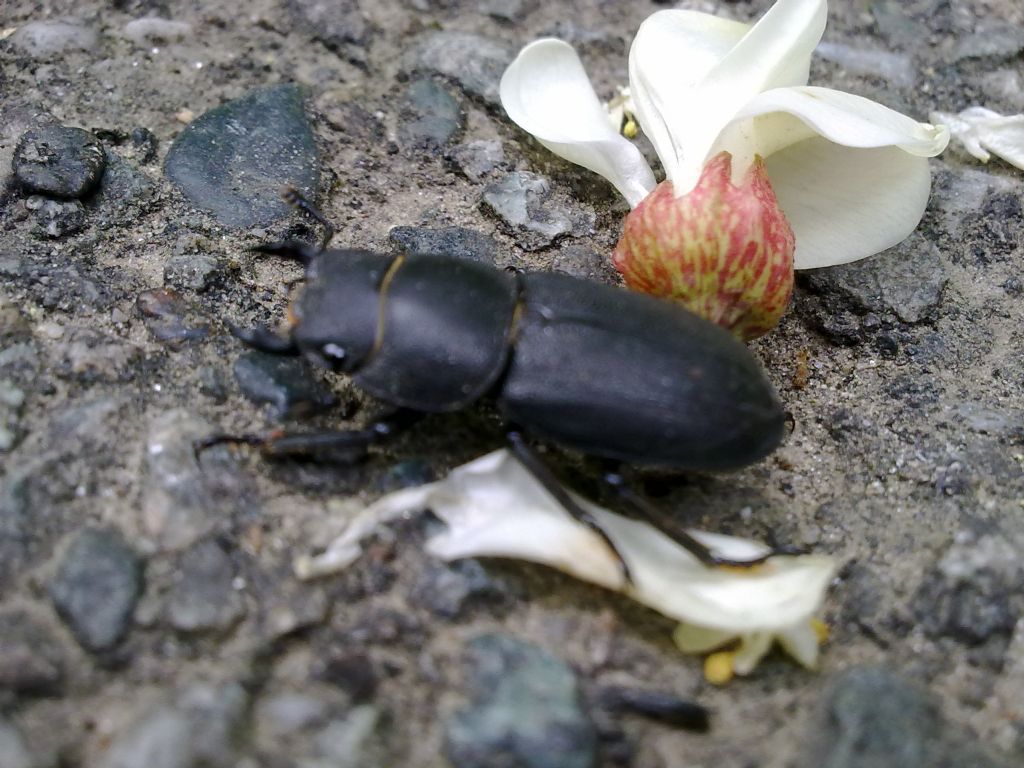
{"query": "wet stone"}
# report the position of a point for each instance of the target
(194, 271)
(476, 63)
(203, 597)
(46, 39)
(450, 241)
(523, 203)
(973, 594)
(286, 383)
(233, 160)
(170, 318)
(58, 161)
(31, 656)
(448, 590)
(870, 717)
(56, 218)
(525, 711)
(430, 117)
(477, 159)
(907, 280)
(96, 587)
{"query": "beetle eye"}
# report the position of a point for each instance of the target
(333, 352)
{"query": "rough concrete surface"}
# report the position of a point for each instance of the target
(148, 612)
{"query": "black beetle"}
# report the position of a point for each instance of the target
(600, 369)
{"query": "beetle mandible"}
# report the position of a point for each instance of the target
(611, 373)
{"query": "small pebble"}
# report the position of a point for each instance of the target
(47, 39)
(154, 31)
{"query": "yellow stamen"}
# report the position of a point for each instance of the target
(821, 630)
(719, 667)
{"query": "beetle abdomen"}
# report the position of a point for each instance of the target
(622, 375)
(444, 334)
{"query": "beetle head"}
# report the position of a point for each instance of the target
(335, 320)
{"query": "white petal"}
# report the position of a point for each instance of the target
(693, 639)
(982, 131)
(844, 203)
(684, 101)
(547, 93)
(801, 642)
(783, 116)
(494, 507)
(752, 649)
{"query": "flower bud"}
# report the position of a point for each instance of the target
(723, 251)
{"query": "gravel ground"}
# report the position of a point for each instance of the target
(148, 613)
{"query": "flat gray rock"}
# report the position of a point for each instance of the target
(233, 160)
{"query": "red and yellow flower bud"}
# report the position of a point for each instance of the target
(723, 251)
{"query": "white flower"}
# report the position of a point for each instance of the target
(493, 507)
(983, 131)
(851, 175)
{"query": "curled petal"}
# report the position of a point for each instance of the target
(752, 649)
(801, 642)
(845, 203)
(982, 131)
(685, 100)
(547, 93)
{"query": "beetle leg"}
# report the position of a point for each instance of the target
(649, 514)
(293, 197)
(290, 249)
(535, 465)
(264, 339)
(332, 446)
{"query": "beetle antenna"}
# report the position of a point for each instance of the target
(296, 199)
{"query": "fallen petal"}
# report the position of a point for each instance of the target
(548, 94)
(983, 131)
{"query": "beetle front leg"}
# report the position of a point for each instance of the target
(329, 446)
(535, 465)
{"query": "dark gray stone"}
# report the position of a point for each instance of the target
(525, 712)
(233, 160)
(430, 117)
(523, 203)
(870, 718)
(476, 63)
(31, 656)
(990, 40)
(287, 383)
(59, 161)
(449, 241)
(447, 590)
(57, 218)
(335, 23)
(586, 263)
(194, 271)
(907, 280)
(973, 594)
(203, 597)
(477, 159)
(125, 193)
(96, 587)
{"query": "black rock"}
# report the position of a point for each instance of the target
(96, 587)
(430, 117)
(203, 597)
(523, 203)
(871, 718)
(525, 712)
(144, 144)
(233, 160)
(476, 63)
(450, 241)
(58, 161)
(286, 383)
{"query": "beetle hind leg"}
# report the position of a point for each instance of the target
(264, 339)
